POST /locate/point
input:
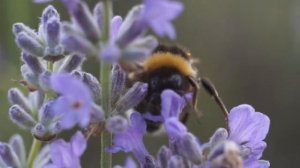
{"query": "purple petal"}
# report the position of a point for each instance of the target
(246, 125)
(162, 28)
(42, 1)
(258, 164)
(59, 152)
(131, 140)
(130, 163)
(65, 154)
(171, 104)
(167, 9)
(256, 152)
(70, 86)
(159, 13)
(78, 143)
(138, 123)
(175, 128)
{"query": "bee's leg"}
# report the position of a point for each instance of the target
(210, 89)
(195, 85)
(185, 116)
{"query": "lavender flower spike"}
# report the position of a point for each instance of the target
(131, 140)
(75, 103)
(67, 154)
(159, 13)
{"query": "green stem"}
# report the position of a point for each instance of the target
(50, 66)
(35, 148)
(36, 144)
(106, 137)
(106, 157)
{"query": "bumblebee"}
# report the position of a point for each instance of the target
(169, 67)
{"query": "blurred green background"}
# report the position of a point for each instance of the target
(249, 49)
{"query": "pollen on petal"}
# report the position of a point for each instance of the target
(76, 104)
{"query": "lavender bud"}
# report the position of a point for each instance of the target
(48, 13)
(52, 32)
(15, 96)
(17, 144)
(190, 148)
(163, 156)
(41, 133)
(93, 84)
(30, 44)
(75, 42)
(226, 155)
(33, 63)
(20, 117)
(97, 114)
(29, 76)
(46, 113)
(116, 124)
(150, 162)
(44, 80)
(133, 97)
(84, 19)
(176, 162)
(37, 99)
(71, 63)
(132, 26)
(20, 27)
(52, 35)
(118, 77)
(140, 49)
(115, 25)
(219, 136)
(98, 14)
(9, 157)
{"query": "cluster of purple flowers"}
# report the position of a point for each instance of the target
(242, 146)
(61, 95)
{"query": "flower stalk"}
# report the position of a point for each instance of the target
(105, 157)
(35, 148)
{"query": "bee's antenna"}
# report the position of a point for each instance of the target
(210, 89)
